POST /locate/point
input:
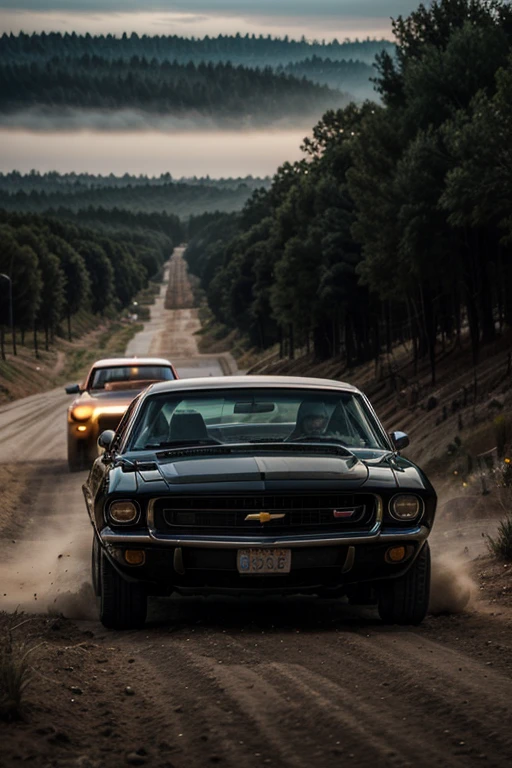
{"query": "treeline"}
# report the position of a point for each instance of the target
(57, 268)
(164, 88)
(251, 50)
(174, 198)
(53, 181)
(397, 224)
(139, 224)
(348, 76)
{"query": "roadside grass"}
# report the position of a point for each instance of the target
(217, 338)
(501, 545)
(15, 672)
(148, 295)
(110, 342)
(92, 337)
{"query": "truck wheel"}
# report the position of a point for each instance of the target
(405, 600)
(95, 565)
(123, 604)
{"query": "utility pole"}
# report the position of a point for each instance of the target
(11, 320)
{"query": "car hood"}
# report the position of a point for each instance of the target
(249, 469)
(107, 399)
(266, 472)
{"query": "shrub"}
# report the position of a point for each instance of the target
(501, 546)
(14, 676)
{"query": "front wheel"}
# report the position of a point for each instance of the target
(123, 604)
(405, 600)
(75, 456)
(96, 565)
(81, 455)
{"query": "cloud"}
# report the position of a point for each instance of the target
(338, 9)
(176, 19)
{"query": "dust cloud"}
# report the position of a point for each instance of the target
(50, 575)
(452, 589)
(459, 537)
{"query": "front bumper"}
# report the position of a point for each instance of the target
(209, 563)
(377, 535)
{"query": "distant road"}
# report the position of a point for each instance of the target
(170, 332)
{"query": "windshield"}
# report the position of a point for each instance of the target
(253, 416)
(115, 377)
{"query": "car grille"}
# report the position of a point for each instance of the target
(218, 515)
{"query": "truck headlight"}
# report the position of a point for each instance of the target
(405, 507)
(123, 511)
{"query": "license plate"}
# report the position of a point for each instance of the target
(261, 561)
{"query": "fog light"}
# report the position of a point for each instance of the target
(123, 511)
(135, 556)
(395, 554)
(81, 429)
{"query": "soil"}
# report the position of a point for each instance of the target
(217, 681)
(24, 374)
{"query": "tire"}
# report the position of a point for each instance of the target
(75, 456)
(95, 566)
(81, 455)
(405, 600)
(123, 604)
(90, 455)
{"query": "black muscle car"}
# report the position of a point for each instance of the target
(257, 484)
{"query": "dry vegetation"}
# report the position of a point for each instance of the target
(15, 670)
(93, 337)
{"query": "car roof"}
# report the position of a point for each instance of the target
(111, 362)
(242, 382)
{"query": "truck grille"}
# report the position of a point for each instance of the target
(227, 515)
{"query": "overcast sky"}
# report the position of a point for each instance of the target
(313, 18)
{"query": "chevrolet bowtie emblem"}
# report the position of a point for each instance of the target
(264, 517)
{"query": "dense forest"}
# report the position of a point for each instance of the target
(71, 183)
(172, 75)
(26, 193)
(219, 90)
(397, 223)
(58, 267)
(250, 50)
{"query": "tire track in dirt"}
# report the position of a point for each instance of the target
(307, 697)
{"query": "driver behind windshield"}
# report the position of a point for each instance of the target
(312, 421)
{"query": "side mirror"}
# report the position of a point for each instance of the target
(400, 440)
(105, 439)
(73, 389)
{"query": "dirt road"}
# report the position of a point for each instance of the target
(170, 332)
(278, 682)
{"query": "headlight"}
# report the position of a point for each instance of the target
(123, 511)
(405, 507)
(81, 413)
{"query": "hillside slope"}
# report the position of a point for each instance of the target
(468, 413)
